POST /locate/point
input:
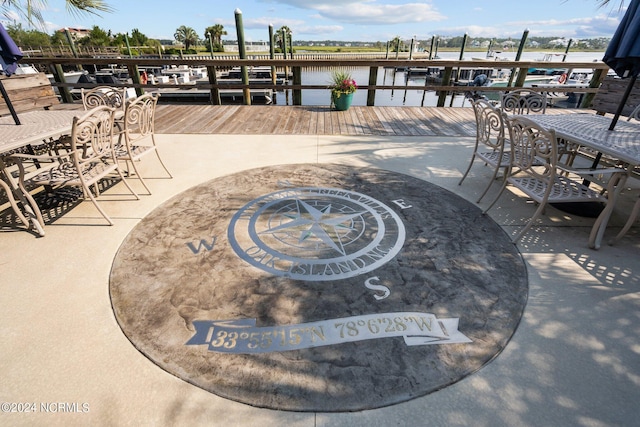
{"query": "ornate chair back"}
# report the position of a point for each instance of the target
(531, 147)
(104, 95)
(523, 101)
(490, 127)
(139, 118)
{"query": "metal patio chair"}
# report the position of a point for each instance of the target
(138, 134)
(90, 158)
(534, 171)
(522, 101)
(490, 141)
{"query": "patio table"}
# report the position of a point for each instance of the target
(36, 126)
(592, 131)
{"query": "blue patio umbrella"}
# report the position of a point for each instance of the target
(10, 54)
(623, 52)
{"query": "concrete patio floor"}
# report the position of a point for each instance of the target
(573, 361)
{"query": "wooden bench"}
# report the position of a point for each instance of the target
(28, 92)
(606, 101)
(608, 97)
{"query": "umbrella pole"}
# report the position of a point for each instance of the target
(9, 104)
(632, 82)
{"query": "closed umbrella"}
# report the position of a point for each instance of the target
(10, 54)
(623, 52)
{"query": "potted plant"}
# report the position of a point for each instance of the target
(342, 89)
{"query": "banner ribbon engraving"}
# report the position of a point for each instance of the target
(244, 337)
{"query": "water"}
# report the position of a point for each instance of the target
(412, 94)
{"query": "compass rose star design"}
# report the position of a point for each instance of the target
(321, 223)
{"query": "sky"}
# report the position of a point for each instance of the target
(351, 20)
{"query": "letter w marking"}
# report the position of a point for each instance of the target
(203, 244)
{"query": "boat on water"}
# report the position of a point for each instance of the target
(529, 81)
(258, 74)
(69, 76)
(554, 71)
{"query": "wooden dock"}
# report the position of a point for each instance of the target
(314, 120)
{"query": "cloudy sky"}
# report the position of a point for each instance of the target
(351, 20)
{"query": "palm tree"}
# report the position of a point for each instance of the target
(278, 36)
(215, 31)
(606, 2)
(32, 9)
(187, 36)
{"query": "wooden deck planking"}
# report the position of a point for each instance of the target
(314, 120)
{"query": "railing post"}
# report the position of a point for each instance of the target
(65, 92)
(213, 79)
(596, 81)
(522, 76)
(135, 78)
(297, 80)
(446, 80)
(373, 80)
(243, 55)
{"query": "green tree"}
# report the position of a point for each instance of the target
(396, 44)
(32, 9)
(137, 38)
(155, 44)
(31, 38)
(97, 37)
(187, 36)
(278, 36)
(217, 31)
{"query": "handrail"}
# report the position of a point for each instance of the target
(446, 86)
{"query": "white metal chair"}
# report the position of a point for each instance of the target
(532, 146)
(89, 159)
(115, 97)
(635, 212)
(635, 114)
(522, 101)
(490, 141)
(26, 209)
(139, 134)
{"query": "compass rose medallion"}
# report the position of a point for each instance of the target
(316, 234)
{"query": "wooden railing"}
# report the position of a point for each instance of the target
(446, 85)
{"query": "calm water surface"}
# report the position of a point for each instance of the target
(412, 93)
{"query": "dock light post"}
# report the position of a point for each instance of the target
(413, 41)
(126, 42)
(243, 55)
(272, 54)
(523, 40)
(433, 42)
(566, 51)
(464, 43)
(211, 44)
(290, 44)
(72, 45)
(283, 34)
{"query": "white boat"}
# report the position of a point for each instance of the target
(181, 74)
(26, 69)
(528, 81)
(69, 76)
